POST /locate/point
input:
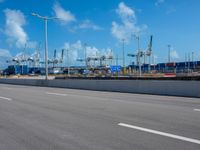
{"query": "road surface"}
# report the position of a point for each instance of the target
(41, 118)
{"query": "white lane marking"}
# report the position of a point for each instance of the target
(5, 98)
(58, 94)
(196, 109)
(161, 133)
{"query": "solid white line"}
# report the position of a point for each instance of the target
(196, 109)
(58, 94)
(161, 133)
(5, 98)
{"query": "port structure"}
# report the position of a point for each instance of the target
(141, 53)
(93, 60)
(56, 60)
(34, 59)
(90, 61)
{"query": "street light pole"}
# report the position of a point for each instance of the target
(169, 52)
(46, 49)
(123, 56)
(193, 61)
(123, 52)
(139, 55)
(85, 46)
(68, 70)
(45, 18)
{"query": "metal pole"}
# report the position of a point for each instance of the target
(123, 56)
(188, 62)
(193, 60)
(123, 52)
(169, 51)
(68, 70)
(150, 64)
(192, 56)
(117, 60)
(138, 55)
(85, 56)
(185, 62)
(45, 18)
(46, 48)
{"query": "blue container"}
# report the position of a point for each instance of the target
(24, 69)
(115, 69)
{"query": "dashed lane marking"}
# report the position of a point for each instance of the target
(57, 94)
(161, 133)
(5, 98)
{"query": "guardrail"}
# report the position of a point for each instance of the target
(185, 78)
(157, 87)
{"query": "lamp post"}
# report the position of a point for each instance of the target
(169, 52)
(67, 62)
(45, 18)
(123, 52)
(68, 69)
(124, 65)
(139, 55)
(193, 61)
(85, 48)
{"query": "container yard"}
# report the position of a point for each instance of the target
(99, 75)
(102, 65)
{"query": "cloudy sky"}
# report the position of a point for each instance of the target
(102, 25)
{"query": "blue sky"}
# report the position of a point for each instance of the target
(101, 24)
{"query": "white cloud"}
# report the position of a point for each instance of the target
(77, 51)
(4, 53)
(158, 2)
(64, 15)
(170, 10)
(92, 51)
(77, 45)
(174, 54)
(4, 57)
(15, 20)
(21, 56)
(16, 35)
(129, 26)
(88, 24)
(73, 50)
(32, 44)
(1, 30)
(125, 12)
(108, 53)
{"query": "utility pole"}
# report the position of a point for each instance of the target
(45, 18)
(123, 52)
(67, 65)
(123, 56)
(144, 54)
(169, 52)
(193, 60)
(68, 70)
(188, 62)
(24, 59)
(117, 60)
(192, 56)
(85, 48)
(186, 59)
(139, 55)
(46, 48)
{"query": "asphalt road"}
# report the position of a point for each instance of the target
(40, 118)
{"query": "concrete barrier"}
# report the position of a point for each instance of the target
(158, 87)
